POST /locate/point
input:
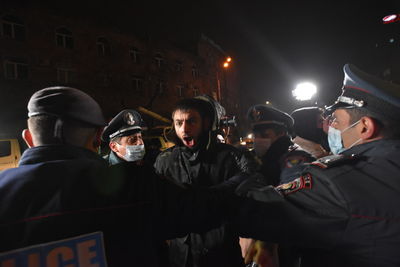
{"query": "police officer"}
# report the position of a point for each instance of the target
(124, 137)
(64, 189)
(272, 131)
(281, 161)
(342, 211)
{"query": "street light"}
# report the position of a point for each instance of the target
(225, 65)
(304, 91)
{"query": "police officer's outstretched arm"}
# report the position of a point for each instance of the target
(297, 212)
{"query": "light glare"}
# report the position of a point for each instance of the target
(304, 91)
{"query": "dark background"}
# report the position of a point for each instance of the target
(274, 44)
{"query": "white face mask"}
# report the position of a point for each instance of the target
(335, 139)
(261, 146)
(134, 153)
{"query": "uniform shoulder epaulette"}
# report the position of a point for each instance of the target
(333, 160)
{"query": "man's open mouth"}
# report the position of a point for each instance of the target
(188, 141)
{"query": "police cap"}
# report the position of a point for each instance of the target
(124, 123)
(362, 90)
(66, 103)
(265, 114)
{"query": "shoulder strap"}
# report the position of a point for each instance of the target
(334, 160)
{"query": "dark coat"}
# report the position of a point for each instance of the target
(59, 192)
(220, 164)
(342, 211)
(282, 155)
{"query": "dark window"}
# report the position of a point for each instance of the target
(103, 47)
(64, 38)
(13, 27)
(195, 91)
(159, 60)
(5, 148)
(15, 70)
(178, 66)
(66, 76)
(160, 87)
(195, 72)
(179, 89)
(137, 85)
(135, 55)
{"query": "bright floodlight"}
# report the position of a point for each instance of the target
(304, 91)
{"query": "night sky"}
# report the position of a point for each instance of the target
(280, 43)
(274, 44)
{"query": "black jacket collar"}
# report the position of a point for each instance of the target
(56, 152)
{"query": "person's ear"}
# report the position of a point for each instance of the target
(113, 146)
(369, 128)
(27, 136)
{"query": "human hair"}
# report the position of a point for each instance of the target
(42, 128)
(389, 128)
(116, 139)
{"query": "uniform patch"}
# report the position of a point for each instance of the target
(303, 182)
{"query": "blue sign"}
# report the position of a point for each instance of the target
(81, 251)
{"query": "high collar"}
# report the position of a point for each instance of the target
(56, 152)
(278, 148)
(114, 159)
(370, 148)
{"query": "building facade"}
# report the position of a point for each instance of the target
(119, 69)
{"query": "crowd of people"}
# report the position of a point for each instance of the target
(319, 188)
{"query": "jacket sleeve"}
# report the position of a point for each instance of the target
(161, 163)
(307, 211)
(170, 209)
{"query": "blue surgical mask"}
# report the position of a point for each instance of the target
(335, 139)
(134, 153)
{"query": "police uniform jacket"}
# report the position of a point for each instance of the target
(293, 163)
(343, 211)
(112, 158)
(282, 155)
(62, 191)
(212, 167)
